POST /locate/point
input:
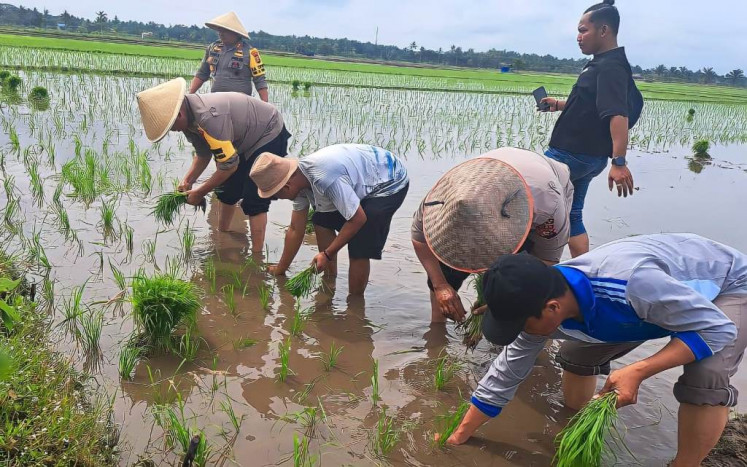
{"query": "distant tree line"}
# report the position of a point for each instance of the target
(306, 45)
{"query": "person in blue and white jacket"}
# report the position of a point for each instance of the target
(606, 303)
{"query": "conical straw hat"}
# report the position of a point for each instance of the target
(230, 22)
(159, 107)
(478, 211)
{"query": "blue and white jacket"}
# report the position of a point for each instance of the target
(633, 290)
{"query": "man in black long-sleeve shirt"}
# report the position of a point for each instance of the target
(594, 124)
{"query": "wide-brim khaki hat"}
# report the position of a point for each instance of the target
(159, 107)
(230, 22)
(476, 212)
(271, 172)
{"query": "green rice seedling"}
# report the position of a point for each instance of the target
(91, 324)
(48, 293)
(284, 349)
(264, 292)
(37, 185)
(229, 299)
(119, 277)
(188, 346)
(243, 343)
(307, 388)
(12, 209)
(168, 204)
(36, 252)
(471, 328)
(227, 408)
(63, 222)
(386, 435)
(450, 422)
(445, 370)
(12, 83)
(9, 185)
(149, 250)
(301, 455)
(210, 273)
(15, 143)
(108, 222)
(584, 440)
(375, 395)
(129, 356)
(303, 283)
(57, 195)
(329, 360)
(160, 304)
(237, 281)
(129, 234)
(299, 320)
(188, 241)
(73, 308)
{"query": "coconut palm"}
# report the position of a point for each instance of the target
(709, 76)
(101, 19)
(735, 76)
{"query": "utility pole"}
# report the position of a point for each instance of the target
(376, 41)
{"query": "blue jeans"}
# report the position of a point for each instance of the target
(583, 170)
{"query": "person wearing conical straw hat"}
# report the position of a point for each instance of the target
(505, 201)
(230, 127)
(354, 189)
(231, 62)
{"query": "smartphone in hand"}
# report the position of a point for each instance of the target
(539, 94)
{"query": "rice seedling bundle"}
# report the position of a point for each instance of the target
(583, 442)
(168, 204)
(471, 328)
(303, 283)
(161, 303)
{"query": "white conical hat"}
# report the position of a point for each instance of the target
(230, 22)
(159, 107)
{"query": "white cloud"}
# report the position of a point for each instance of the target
(673, 32)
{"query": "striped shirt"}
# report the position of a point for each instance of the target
(634, 290)
(344, 174)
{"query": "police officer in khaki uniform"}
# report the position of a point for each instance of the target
(231, 62)
(230, 127)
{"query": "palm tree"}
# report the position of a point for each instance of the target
(660, 70)
(101, 19)
(735, 76)
(709, 76)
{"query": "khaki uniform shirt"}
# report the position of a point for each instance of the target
(552, 190)
(229, 125)
(233, 68)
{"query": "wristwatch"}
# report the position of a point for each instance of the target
(619, 161)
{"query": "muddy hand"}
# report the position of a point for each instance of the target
(449, 302)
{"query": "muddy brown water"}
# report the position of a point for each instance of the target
(391, 324)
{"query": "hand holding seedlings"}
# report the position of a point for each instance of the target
(625, 382)
(195, 198)
(275, 270)
(320, 262)
(449, 302)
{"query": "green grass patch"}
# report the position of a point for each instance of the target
(47, 416)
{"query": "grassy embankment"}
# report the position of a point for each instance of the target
(491, 80)
(47, 414)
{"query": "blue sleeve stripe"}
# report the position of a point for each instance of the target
(696, 343)
(489, 410)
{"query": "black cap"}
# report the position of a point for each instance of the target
(516, 287)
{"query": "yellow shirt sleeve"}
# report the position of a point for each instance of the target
(255, 63)
(223, 151)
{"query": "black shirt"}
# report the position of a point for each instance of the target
(600, 93)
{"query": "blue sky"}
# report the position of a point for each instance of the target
(673, 32)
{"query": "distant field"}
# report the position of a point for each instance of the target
(492, 81)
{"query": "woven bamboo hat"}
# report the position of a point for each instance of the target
(159, 107)
(478, 211)
(230, 22)
(270, 173)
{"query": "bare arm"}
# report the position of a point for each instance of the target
(348, 231)
(293, 240)
(264, 94)
(620, 176)
(627, 380)
(199, 164)
(448, 298)
(195, 85)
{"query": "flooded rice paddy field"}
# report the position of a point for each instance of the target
(94, 120)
